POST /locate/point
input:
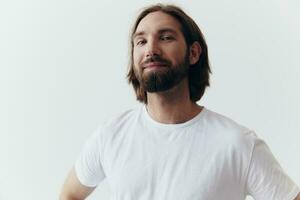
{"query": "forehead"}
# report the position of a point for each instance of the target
(155, 21)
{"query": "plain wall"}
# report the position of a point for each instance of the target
(62, 73)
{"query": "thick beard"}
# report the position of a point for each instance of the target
(165, 78)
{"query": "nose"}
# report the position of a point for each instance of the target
(152, 48)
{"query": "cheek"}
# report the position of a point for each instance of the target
(136, 58)
(136, 65)
(175, 53)
(182, 52)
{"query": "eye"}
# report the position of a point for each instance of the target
(166, 37)
(140, 42)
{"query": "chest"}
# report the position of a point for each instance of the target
(182, 168)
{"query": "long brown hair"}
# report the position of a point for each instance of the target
(198, 73)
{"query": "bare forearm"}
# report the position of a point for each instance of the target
(68, 197)
(298, 197)
(73, 189)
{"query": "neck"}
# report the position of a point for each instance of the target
(172, 106)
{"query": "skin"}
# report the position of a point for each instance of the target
(73, 190)
(174, 105)
(171, 106)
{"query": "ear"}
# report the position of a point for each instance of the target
(195, 52)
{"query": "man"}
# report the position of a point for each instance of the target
(170, 147)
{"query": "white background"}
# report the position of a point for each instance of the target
(63, 66)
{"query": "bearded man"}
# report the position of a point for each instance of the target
(169, 147)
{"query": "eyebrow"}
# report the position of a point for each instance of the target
(160, 31)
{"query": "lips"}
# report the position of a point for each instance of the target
(154, 65)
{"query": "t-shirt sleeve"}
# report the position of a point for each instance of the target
(266, 179)
(88, 166)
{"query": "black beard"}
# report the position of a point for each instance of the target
(164, 78)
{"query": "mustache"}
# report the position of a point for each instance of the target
(156, 59)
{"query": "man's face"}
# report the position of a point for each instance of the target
(159, 52)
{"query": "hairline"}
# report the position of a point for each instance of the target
(174, 16)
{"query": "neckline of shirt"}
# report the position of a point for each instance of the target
(155, 123)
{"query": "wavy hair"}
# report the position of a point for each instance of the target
(199, 72)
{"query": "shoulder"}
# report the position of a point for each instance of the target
(119, 122)
(125, 117)
(112, 127)
(218, 120)
(229, 132)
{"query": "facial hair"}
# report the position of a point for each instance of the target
(163, 78)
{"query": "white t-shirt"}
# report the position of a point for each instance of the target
(209, 157)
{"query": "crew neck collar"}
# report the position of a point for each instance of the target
(155, 123)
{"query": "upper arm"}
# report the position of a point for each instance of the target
(298, 197)
(266, 178)
(72, 188)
